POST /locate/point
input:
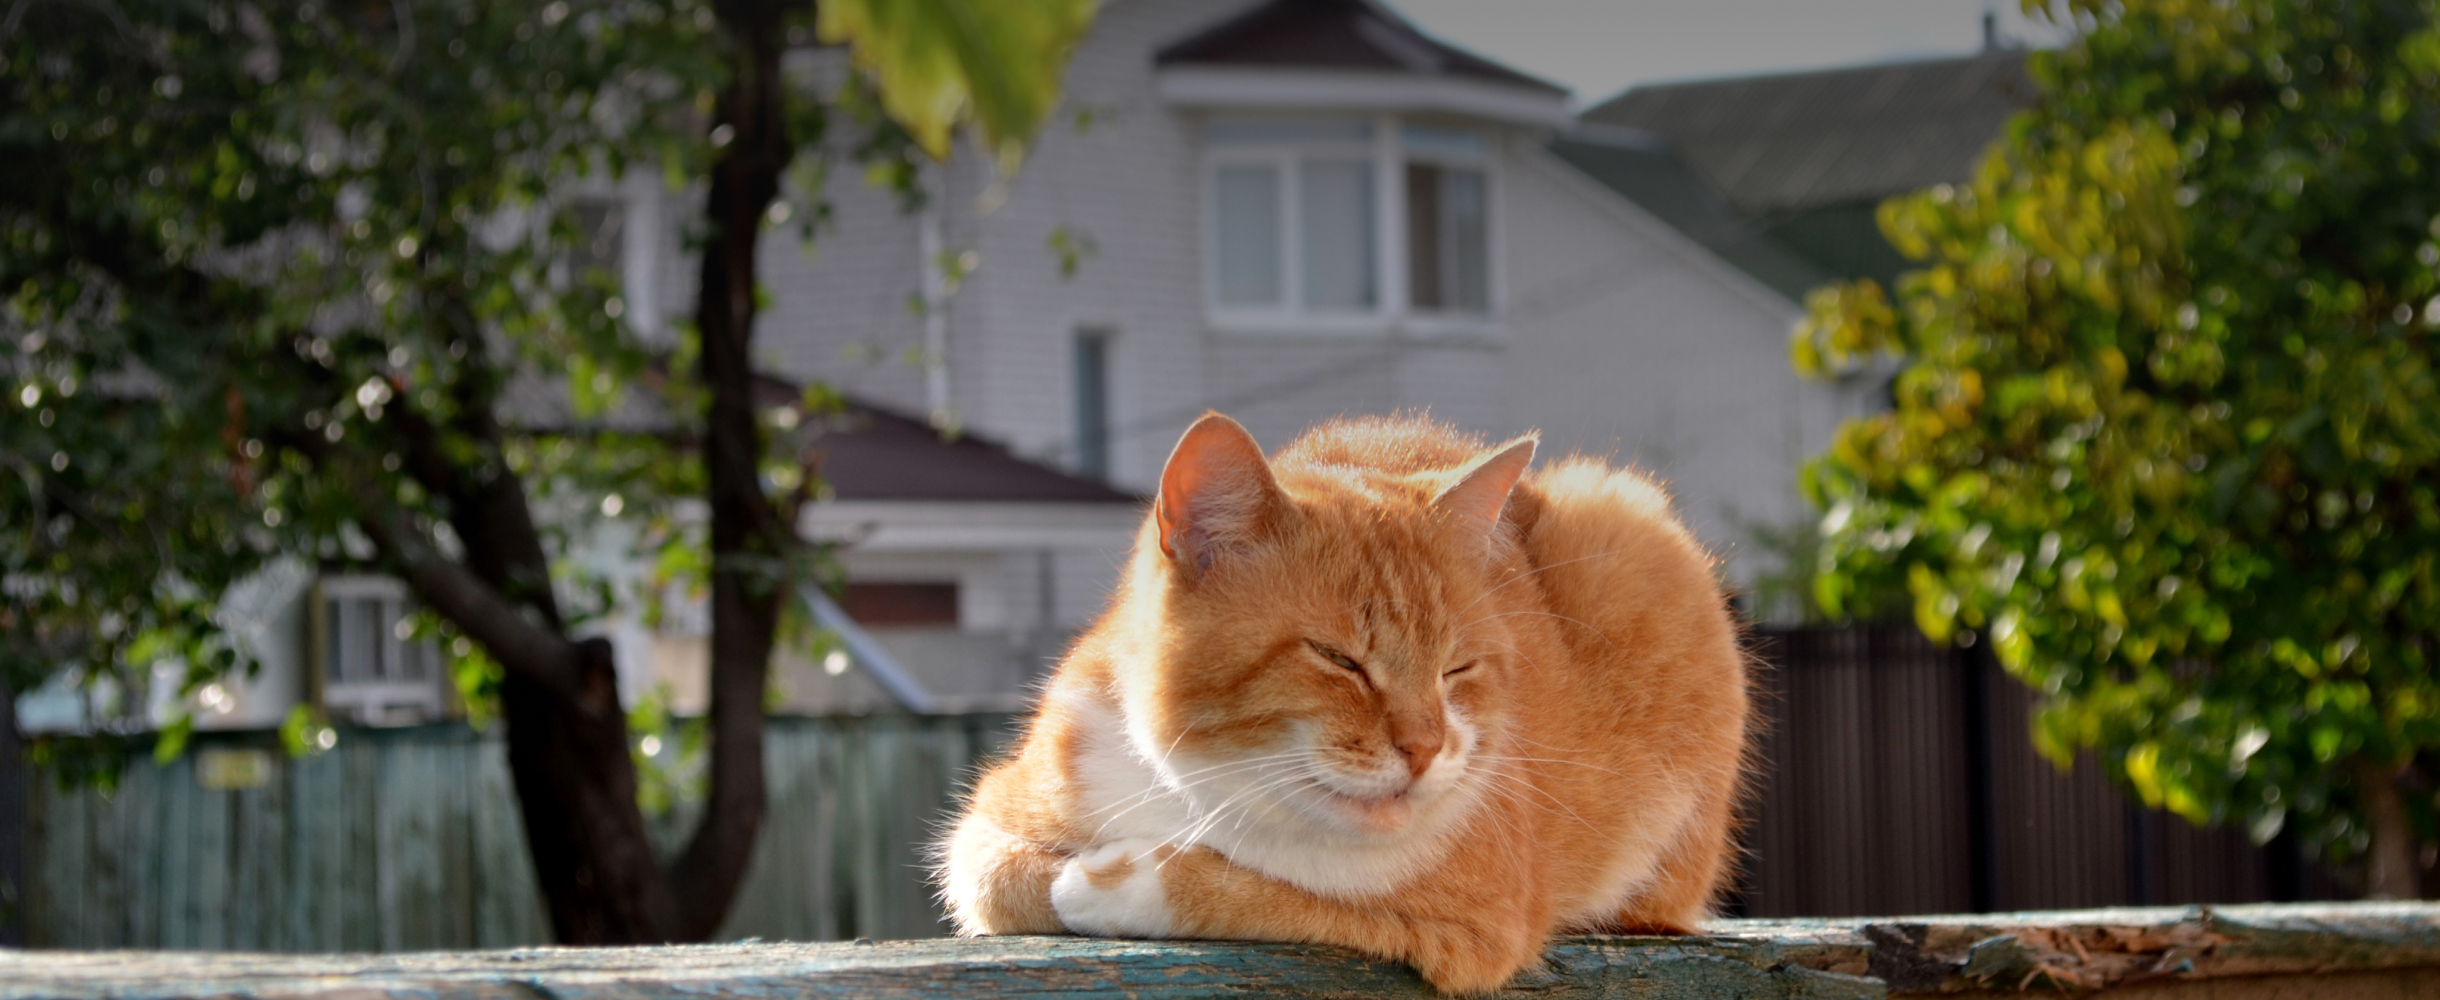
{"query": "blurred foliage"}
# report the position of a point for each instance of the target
(274, 273)
(2167, 426)
(671, 753)
(235, 237)
(997, 63)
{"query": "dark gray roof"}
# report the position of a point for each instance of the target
(870, 453)
(1644, 168)
(1792, 142)
(1336, 34)
(866, 452)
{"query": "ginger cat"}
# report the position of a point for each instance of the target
(1388, 691)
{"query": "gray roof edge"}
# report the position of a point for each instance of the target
(1774, 76)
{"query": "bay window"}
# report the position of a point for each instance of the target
(1309, 219)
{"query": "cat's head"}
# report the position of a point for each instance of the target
(1318, 643)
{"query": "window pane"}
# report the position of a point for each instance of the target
(1245, 214)
(599, 222)
(1423, 238)
(357, 639)
(1093, 403)
(1337, 204)
(1467, 241)
(1448, 239)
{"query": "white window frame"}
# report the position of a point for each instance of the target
(397, 702)
(1392, 310)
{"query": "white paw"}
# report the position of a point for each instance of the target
(1114, 890)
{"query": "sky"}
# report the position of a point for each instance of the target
(1597, 48)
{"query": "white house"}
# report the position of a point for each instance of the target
(1286, 211)
(1295, 210)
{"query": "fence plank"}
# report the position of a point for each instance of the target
(1900, 776)
(507, 904)
(410, 839)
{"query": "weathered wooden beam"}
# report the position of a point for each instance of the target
(1795, 960)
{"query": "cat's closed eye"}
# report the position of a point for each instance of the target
(1460, 668)
(1337, 657)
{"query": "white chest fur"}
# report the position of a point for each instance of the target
(1129, 793)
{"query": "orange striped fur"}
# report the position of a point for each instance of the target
(1390, 689)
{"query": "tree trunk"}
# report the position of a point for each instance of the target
(576, 792)
(2391, 870)
(13, 897)
(751, 542)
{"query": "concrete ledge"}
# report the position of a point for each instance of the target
(2359, 949)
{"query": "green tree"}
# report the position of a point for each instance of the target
(2167, 427)
(281, 280)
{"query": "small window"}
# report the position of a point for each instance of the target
(886, 604)
(373, 669)
(1093, 403)
(601, 225)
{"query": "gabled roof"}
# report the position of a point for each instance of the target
(1336, 34)
(870, 453)
(1785, 143)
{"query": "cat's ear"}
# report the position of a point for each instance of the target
(1217, 493)
(1477, 497)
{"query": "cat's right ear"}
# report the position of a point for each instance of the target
(1217, 494)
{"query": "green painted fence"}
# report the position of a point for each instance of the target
(408, 839)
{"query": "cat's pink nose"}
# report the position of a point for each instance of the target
(1419, 753)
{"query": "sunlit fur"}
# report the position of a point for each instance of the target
(1579, 772)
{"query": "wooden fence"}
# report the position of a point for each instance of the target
(408, 839)
(1899, 779)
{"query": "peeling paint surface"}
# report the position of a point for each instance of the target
(1854, 959)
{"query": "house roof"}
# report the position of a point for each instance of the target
(1649, 172)
(1797, 141)
(1336, 34)
(870, 453)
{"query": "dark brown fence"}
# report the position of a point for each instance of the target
(1897, 778)
(1900, 777)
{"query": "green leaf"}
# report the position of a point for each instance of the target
(173, 739)
(296, 732)
(997, 63)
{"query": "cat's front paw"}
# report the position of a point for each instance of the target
(1114, 890)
